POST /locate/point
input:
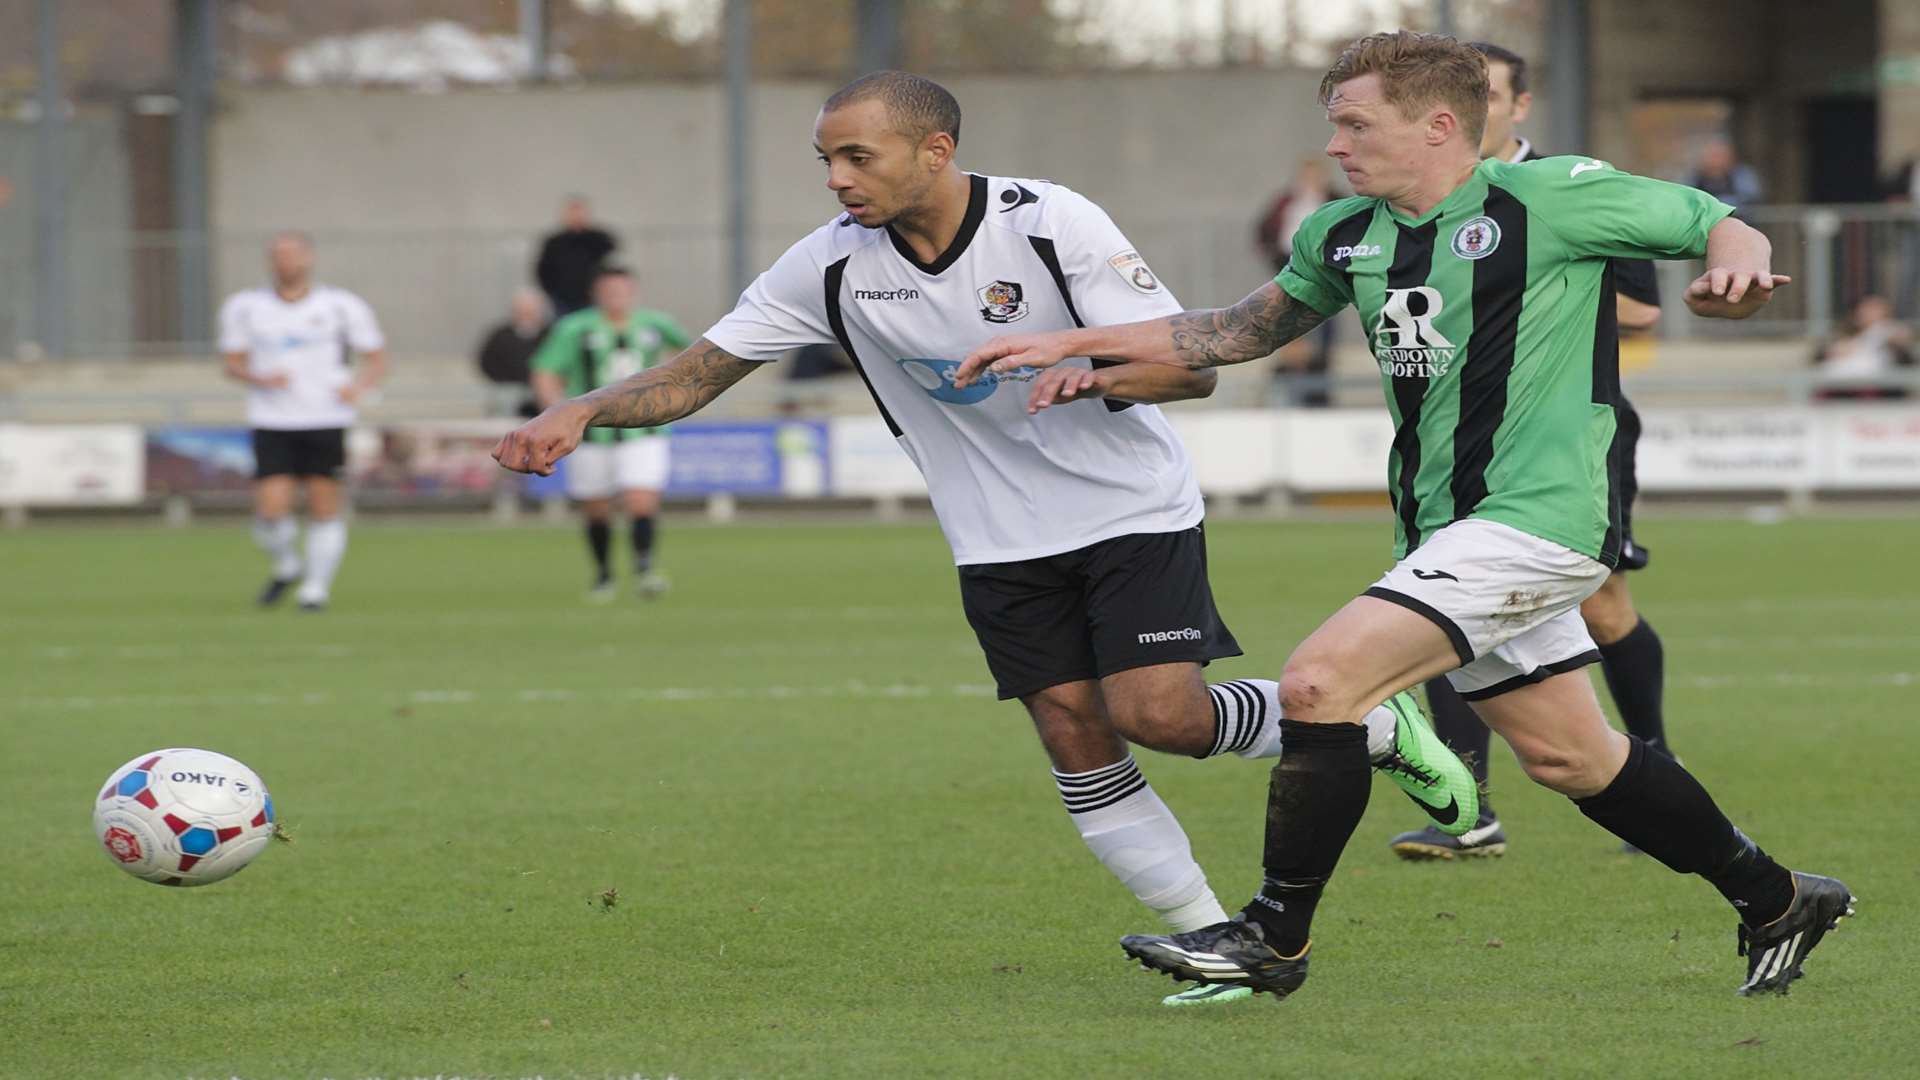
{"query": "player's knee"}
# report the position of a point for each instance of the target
(1313, 691)
(1076, 738)
(1568, 772)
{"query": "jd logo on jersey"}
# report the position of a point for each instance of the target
(1404, 339)
(1003, 302)
(936, 378)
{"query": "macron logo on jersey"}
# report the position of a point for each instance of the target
(886, 294)
(1404, 339)
(1157, 637)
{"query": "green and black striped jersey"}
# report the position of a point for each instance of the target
(588, 352)
(1492, 320)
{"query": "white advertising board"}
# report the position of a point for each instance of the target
(71, 464)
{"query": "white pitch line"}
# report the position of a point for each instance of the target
(497, 698)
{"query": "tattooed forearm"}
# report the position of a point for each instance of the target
(1267, 319)
(676, 388)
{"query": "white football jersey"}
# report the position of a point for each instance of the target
(1030, 256)
(308, 341)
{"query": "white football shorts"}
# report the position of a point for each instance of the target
(599, 470)
(1509, 601)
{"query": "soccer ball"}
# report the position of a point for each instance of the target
(183, 817)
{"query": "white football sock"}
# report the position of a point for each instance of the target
(326, 545)
(276, 537)
(1135, 836)
(1381, 727)
(1246, 718)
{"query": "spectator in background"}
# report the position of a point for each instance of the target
(1304, 362)
(1720, 173)
(570, 257)
(507, 352)
(1857, 365)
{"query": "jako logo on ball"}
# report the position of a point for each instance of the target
(183, 817)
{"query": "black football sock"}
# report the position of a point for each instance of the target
(1314, 800)
(1657, 806)
(1462, 730)
(600, 541)
(643, 544)
(1636, 671)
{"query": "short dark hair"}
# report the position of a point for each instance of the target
(611, 269)
(918, 106)
(1516, 64)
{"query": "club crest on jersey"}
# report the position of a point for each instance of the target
(936, 378)
(1004, 302)
(1133, 270)
(1477, 238)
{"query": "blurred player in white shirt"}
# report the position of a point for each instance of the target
(291, 344)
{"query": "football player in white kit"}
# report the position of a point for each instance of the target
(291, 343)
(1078, 531)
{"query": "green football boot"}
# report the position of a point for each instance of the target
(1431, 775)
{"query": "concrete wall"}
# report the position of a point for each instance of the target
(431, 203)
(100, 297)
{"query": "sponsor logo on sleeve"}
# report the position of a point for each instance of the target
(1587, 166)
(1133, 270)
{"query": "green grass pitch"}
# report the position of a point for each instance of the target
(775, 825)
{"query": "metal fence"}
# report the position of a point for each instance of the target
(437, 291)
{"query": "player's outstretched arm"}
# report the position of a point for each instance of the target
(1738, 281)
(1144, 384)
(656, 396)
(1255, 327)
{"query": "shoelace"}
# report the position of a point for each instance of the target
(1395, 763)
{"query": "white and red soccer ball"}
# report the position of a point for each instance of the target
(183, 817)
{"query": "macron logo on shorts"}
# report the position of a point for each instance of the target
(1159, 636)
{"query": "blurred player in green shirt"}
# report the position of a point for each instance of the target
(584, 351)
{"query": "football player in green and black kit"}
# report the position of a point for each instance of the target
(1486, 291)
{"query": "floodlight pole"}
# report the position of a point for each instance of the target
(1567, 42)
(533, 31)
(876, 35)
(194, 67)
(739, 75)
(49, 184)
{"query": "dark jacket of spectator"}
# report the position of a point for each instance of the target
(568, 259)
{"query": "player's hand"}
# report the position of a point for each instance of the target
(352, 393)
(1004, 354)
(1721, 293)
(1060, 385)
(534, 446)
(276, 381)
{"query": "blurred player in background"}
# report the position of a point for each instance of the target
(1631, 656)
(291, 344)
(1488, 295)
(609, 343)
(1077, 531)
